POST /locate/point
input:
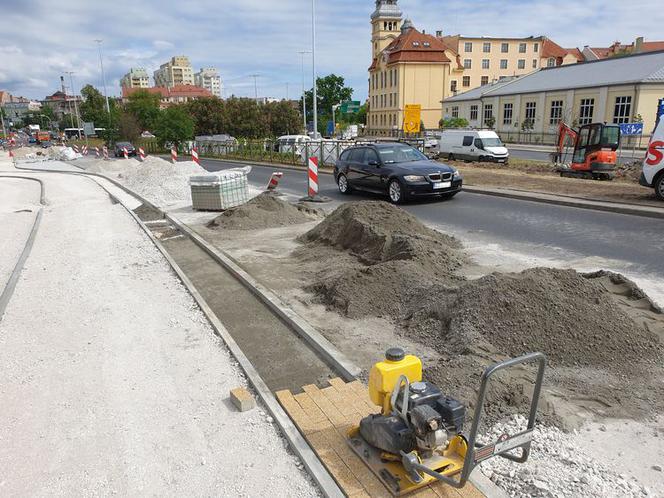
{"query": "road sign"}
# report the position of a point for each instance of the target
(350, 107)
(412, 118)
(631, 129)
(88, 129)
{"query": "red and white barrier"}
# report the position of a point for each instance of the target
(85, 150)
(274, 181)
(125, 152)
(105, 151)
(97, 152)
(174, 155)
(194, 156)
(141, 154)
(313, 177)
(75, 148)
(11, 154)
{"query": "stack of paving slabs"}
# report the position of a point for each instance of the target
(220, 191)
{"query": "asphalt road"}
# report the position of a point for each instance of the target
(625, 156)
(513, 233)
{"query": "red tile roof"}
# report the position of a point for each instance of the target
(576, 53)
(413, 46)
(552, 49)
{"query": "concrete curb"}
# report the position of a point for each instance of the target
(348, 370)
(560, 200)
(10, 286)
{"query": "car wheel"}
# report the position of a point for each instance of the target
(342, 183)
(659, 187)
(450, 157)
(395, 192)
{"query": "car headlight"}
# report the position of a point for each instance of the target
(456, 174)
(414, 178)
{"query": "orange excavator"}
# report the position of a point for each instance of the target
(595, 147)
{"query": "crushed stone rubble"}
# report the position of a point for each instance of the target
(557, 467)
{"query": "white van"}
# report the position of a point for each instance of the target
(472, 145)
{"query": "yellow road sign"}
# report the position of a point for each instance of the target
(412, 118)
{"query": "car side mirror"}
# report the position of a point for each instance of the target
(374, 163)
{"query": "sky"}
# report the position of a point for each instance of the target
(41, 39)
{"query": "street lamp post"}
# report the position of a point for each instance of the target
(334, 118)
(304, 92)
(313, 65)
(103, 76)
(78, 117)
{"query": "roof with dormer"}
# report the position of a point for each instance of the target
(414, 46)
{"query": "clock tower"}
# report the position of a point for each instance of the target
(386, 25)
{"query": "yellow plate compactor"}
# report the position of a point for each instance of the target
(418, 437)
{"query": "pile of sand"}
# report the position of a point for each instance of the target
(571, 318)
(395, 256)
(263, 211)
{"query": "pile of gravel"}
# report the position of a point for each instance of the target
(557, 466)
(574, 320)
(395, 257)
(263, 211)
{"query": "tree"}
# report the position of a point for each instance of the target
(245, 118)
(173, 125)
(490, 122)
(331, 91)
(528, 125)
(145, 108)
(209, 115)
(93, 107)
(128, 127)
(282, 118)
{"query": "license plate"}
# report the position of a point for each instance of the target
(439, 185)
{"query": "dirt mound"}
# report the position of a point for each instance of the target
(263, 211)
(574, 320)
(396, 257)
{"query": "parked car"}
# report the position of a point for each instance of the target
(119, 152)
(45, 144)
(397, 170)
(472, 145)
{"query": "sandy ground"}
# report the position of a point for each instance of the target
(113, 382)
(19, 202)
(266, 255)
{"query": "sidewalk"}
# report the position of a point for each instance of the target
(113, 380)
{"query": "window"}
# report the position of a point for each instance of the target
(466, 81)
(488, 112)
(531, 109)
(455, 111)
(485, 80)
(622, 110)
(536, 47)
(534, 63)
(522, 48)
(467, 63)
(468, 47)
(485, 63)
(504, 48)
(586, 111)
(507, 113)
(370, 156)
(556, 112)
(486, 48)
(467, 141)
(416, 44)
(453, 85)
(426, 44)
(357, 155)
(473, 113)
(503, 63)
(551, 62)
(522, 64)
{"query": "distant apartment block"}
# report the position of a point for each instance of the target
(135, 78)
(208, 78)
(177, 71)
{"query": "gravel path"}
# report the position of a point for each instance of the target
(113, 381)
(19, 202)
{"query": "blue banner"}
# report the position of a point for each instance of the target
(631, 129)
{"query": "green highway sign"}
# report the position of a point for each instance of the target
(350, 107)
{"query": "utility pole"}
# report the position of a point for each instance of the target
(103, 76)
(304, 92)
(78, 117)
(255, 76)
(313, 65)
(67, 101)
(287, 91)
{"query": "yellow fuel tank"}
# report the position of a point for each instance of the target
(385, 374)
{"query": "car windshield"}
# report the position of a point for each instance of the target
(400, 154)
(492, 142)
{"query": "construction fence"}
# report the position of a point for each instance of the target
(527, 138)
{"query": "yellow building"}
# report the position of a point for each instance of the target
(177, 71)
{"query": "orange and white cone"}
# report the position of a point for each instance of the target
(194, 156)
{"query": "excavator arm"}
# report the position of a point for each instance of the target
(564, 131)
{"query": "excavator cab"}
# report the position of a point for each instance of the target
(595, 147)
